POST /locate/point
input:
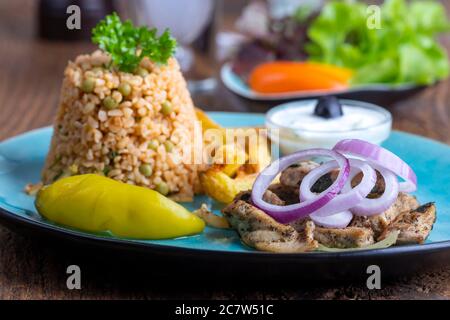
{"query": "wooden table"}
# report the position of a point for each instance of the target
(30, 77)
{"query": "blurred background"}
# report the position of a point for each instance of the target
(35, 46)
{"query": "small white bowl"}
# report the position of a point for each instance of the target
(292, 138)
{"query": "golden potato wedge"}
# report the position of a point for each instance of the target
(221, 187)
(207, 122)
(232, 157)
(218, 185)
(236, 164)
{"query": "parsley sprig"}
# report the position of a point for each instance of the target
(128, 44)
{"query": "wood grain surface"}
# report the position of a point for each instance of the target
(31, 71)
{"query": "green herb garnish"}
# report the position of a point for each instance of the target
(106, 170)
(128, 44)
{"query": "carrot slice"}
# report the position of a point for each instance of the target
(287, 76)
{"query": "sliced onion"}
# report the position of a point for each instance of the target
(289, 213)
(343, 201)
(381, 157)
(370, 207)
(338, 220)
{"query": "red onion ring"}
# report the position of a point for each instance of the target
(338, 220)
(370, 207)
(289, 213)
(381, 157)
(343, 201)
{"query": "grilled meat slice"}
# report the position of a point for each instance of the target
(300, 224)
(289, 195)
(293, 175)
(414, 225)
(379, 223)
(377, 190)
(350, 237)
(404, 202)
(245, 196)
(272, 198)
(260, 231)
(269, 197)
(327, 180)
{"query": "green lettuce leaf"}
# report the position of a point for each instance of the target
(403, 50)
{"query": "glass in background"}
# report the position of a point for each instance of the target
(52, 18)
(187, 21)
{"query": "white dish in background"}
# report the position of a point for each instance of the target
(232, 81)
(299, 129)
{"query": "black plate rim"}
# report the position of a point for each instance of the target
(118, 243)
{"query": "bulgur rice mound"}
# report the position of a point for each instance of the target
(91, 138)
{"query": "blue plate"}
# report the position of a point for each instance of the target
(22, 158)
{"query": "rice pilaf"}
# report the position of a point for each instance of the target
(126, 126)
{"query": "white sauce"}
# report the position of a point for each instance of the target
(303, 118)
(298, 127)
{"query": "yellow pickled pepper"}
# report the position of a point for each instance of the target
(95, 203)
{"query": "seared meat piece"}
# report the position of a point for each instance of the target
(244, 196)
(404, 202)
(414, 225)
(260, 231)
(293, 175)
(379, 223)
(210, 218)
(269, 197)
(308, 234)
(289, 195)
(325, 181)
(350, 237)
(377, 190)
(272, 198)
(300, 224)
